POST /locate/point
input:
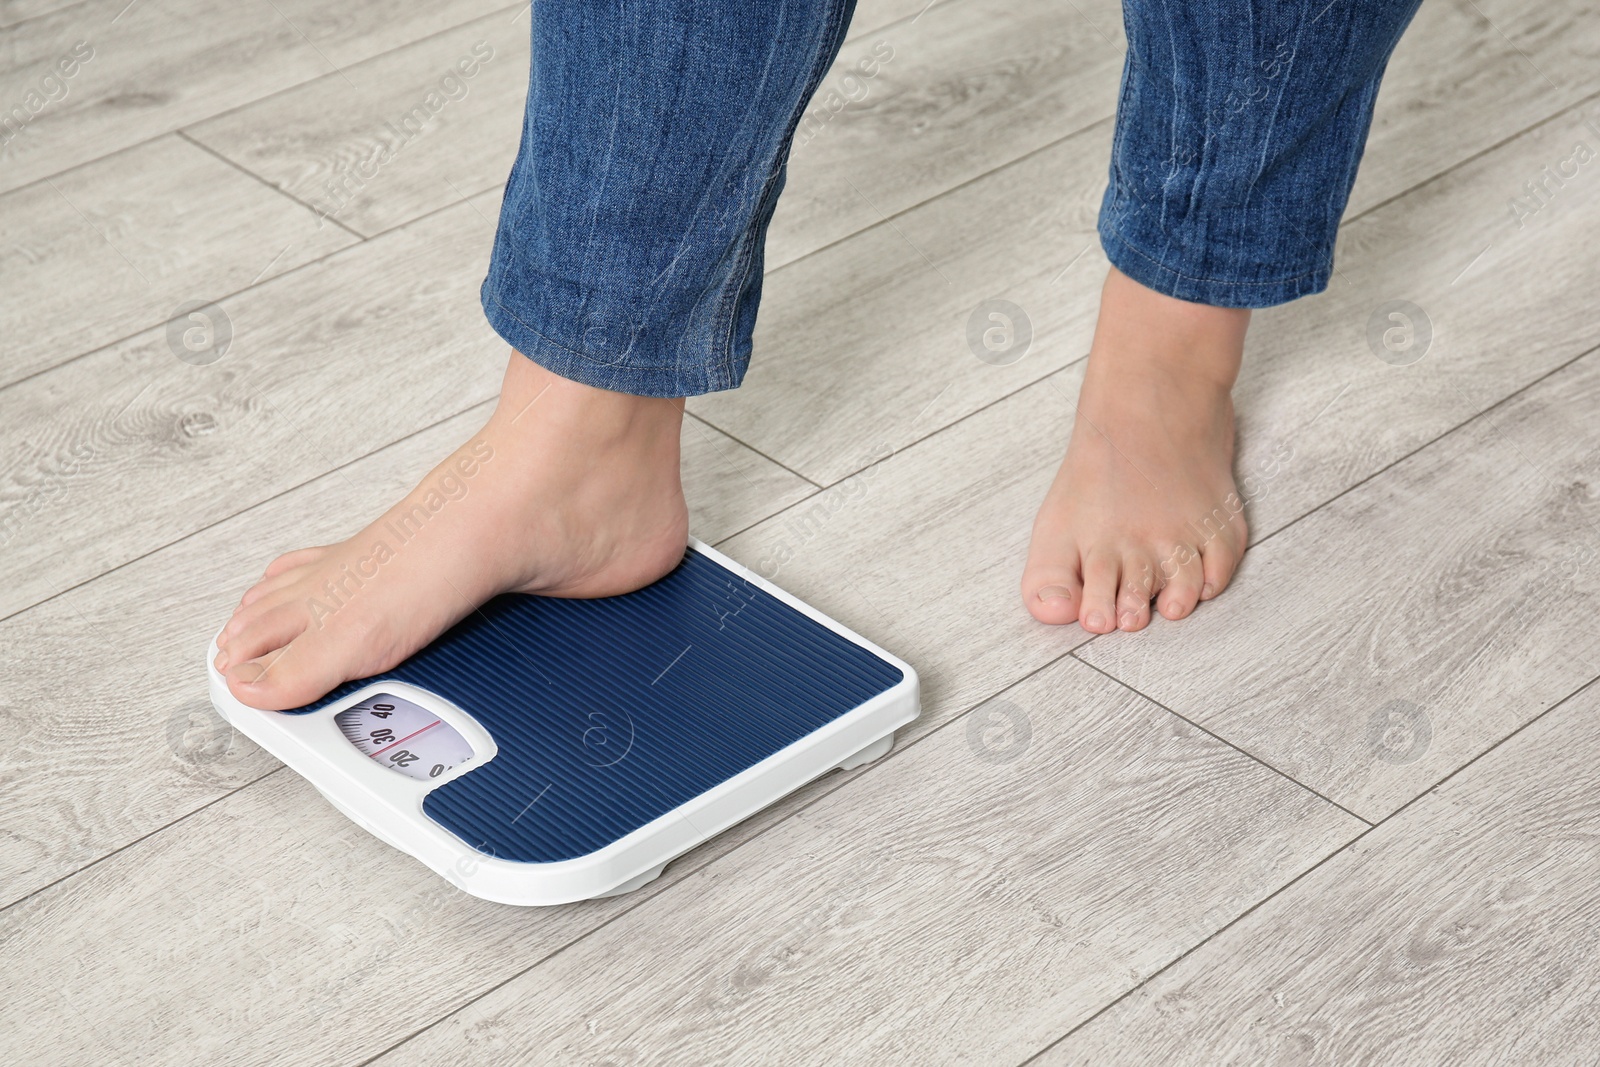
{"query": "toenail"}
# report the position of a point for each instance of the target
(1055, 592)
(1207, 591)
(1096, 620)
(249, 672)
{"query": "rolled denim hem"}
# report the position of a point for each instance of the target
(625, 377)
(629, 252)
(1216, 292)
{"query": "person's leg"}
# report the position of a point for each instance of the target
(1238, 134)
(626, 273)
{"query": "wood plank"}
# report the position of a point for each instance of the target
(1467, 75)
(871, 15)
(923, 550)
(933, 114)
(924, 106)
(157, 67)
(403, 383)
(96, 755)
(130, 448)
(824, 424)
(15, 11)
(928, 117)
(362, 911)
(1388, 638)
(940, 862)
(730, 487)
(372, 160)
(944, 909)
(866, 341)
(874, 329)
(118, 245)
(1313, 387)
(1461, 931)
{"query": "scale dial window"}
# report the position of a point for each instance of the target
(403, 736)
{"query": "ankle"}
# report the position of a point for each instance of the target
(1145, 335)
(532, 397)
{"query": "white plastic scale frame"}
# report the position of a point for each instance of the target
(388, 805)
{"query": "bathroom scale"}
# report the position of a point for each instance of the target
(547, 750)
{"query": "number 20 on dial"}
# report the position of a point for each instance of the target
(403, 737)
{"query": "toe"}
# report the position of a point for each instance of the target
(243, 617)
(269, 585)
(1098, 614)
(1053, 592)
(252, 608)
(264, 633)
(1219, 557)
(1133, 598)
(292, 676)
(1184, 575)
(290, 560)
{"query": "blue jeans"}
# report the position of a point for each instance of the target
(629, 249)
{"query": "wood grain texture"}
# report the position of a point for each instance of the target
(927, 117)
(271, 930)
(921, 107)
(15, 11)
(939, 910)
(946, 905)
(158, 67)
(1467, 75)
(878, 323)
(867, 341)
(1171, 835)
(129, 448)
(274, 952)
(118, 245)
(104, 749)
(415, 136)
(873, 15)
(1503, 302)
(730, 487)
(922, 552)
(1385, 640)
(1461, 931)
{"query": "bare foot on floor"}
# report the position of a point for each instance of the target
(1144, 505)
(567, 491)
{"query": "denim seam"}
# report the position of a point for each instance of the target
(541, 336)
(746, 261)
(1131, 247)
(516, 223)
(1118, 130)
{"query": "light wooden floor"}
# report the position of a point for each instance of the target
(1349, 812)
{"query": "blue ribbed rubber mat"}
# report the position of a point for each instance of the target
(610, 713)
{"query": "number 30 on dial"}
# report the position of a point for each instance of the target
(403, 736)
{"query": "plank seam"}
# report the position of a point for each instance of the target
(843, 780)
(1285, 775)
(1342, 848)
(247, 172)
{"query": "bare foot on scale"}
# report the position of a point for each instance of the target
(568, 490)
(1144, 505)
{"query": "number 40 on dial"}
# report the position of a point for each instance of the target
(403, 736)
